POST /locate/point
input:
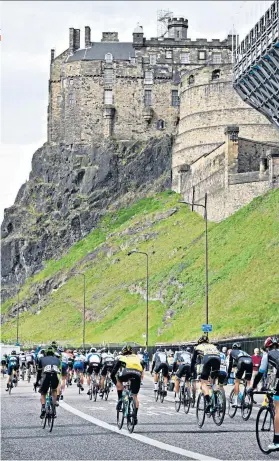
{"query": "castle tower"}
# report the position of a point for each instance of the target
(208, 103)
(138, 39)
(177, 28)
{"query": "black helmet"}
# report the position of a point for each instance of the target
(203, 339)
(105, 349)
(188, 348)
(126, 350)
(50, 350)
(54, 345)
(93, 349)
(13, 352)
(236, 346)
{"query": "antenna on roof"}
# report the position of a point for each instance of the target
(162, 22)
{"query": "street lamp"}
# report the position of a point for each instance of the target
(206, 248)
(143, 253)
(83, 326)
(17, 318)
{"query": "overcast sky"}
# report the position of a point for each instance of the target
(30, 29)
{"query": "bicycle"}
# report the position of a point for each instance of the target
(246, 403)
(23, 371)
(160, 389)
(184, 397)
(107, 386)
(77, 380)
(265, 422)
(3, 371)
(192, 390)
(50, 411)
(29, 375)
(128, 409)
(94, 387)
(14, 380)
(217, 407)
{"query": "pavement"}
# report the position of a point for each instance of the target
(86, 430)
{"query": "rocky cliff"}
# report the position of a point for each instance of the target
(68, 191)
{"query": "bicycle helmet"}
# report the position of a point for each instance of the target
(54, 345)
(93, 349)
(50, 350)
(42, 351)
(13, 352)
(126, 350)
(188, 349)
(105, 349)
(203, 339)
(236, 346)
(270, 341)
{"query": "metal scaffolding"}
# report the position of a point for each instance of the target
(162, 22)
(256, 65)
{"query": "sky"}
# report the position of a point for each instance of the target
(30, 29)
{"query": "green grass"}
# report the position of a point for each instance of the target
(243, 277)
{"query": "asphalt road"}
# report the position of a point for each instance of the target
(87, 430)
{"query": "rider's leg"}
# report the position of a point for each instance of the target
(156, 377)
(276, 420)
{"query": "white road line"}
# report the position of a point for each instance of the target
(139, 437)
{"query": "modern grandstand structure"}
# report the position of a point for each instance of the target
(256, 68)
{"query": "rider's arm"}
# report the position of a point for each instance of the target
(262, 370)
(39, 371)
(153, 362)
(230, 365)
(116, 366)
(193, 362)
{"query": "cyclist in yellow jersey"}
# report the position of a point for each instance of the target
(127, 367)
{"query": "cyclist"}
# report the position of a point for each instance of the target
(131, 370)
(244, 364)
(70, 365)
(12, 364)
(4, 363)
(182, 363)
(160, 362)
(207, 358)
(94, 363)
(30, 360)
(170, 360)
(64, 371)
(271, 358)
(107, 365)
(48, 370)
(22, 362)
(79, 365)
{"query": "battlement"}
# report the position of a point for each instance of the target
(178, 20)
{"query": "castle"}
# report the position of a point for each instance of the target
(166, 85)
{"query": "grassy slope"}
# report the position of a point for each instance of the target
(243, 277)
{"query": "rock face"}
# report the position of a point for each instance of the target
(68, 191)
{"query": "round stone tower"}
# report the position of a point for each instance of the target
(208, 103)
(177, 28)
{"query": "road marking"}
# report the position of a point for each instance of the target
(139, 437)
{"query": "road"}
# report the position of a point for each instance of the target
(87, 430)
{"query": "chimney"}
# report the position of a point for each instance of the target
(74, 40)
(87, 36)
(52, 55)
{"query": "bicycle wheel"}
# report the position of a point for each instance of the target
(156, 395)
(231, 410)
(120, 417)
(162, 395)
(95, 393)
(177, 404)
(91, 392)
(106, 392)
(51, 417)
(200, 410)
(131, 415)
(10, 388)
(264, 429)
(193, 395)
(186, 400)
(246, 406)
(220, 407)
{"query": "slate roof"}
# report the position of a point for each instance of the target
(119, 51)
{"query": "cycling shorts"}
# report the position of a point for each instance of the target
(3, 363)
(210, 363)
(47, 380)
(79, 366)
(184, 369)
(70, 364)
(94, 367)
(29, 364)
(64, 369)
(106, 368)
(11, 368)
(134, 376)
(164, 367)
(244, 365)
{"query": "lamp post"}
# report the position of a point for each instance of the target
(146, 254)
(206, 249)
(83, 325)
(17, 318)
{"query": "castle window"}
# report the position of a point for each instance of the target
(153, 59)
(71, 99)
(216, 74)
(202, 55)
(148, 77)
(108, 97)
(71, 81)
(184, 58)
(59, 99)
(216, 58)
(148, 98)
(160, 124)
(108, 58)
(108, 76)
(174, 98)
(191, 79)
(168, 54)
(177, 33)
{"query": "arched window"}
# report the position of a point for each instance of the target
(216, 74)
(191, 79)
(108, 58)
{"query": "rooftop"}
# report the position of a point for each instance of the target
(120, 51)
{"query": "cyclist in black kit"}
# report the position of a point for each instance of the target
(160, 362)
(48, 370)
(244, 364)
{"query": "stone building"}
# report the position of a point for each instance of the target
(125, 90)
